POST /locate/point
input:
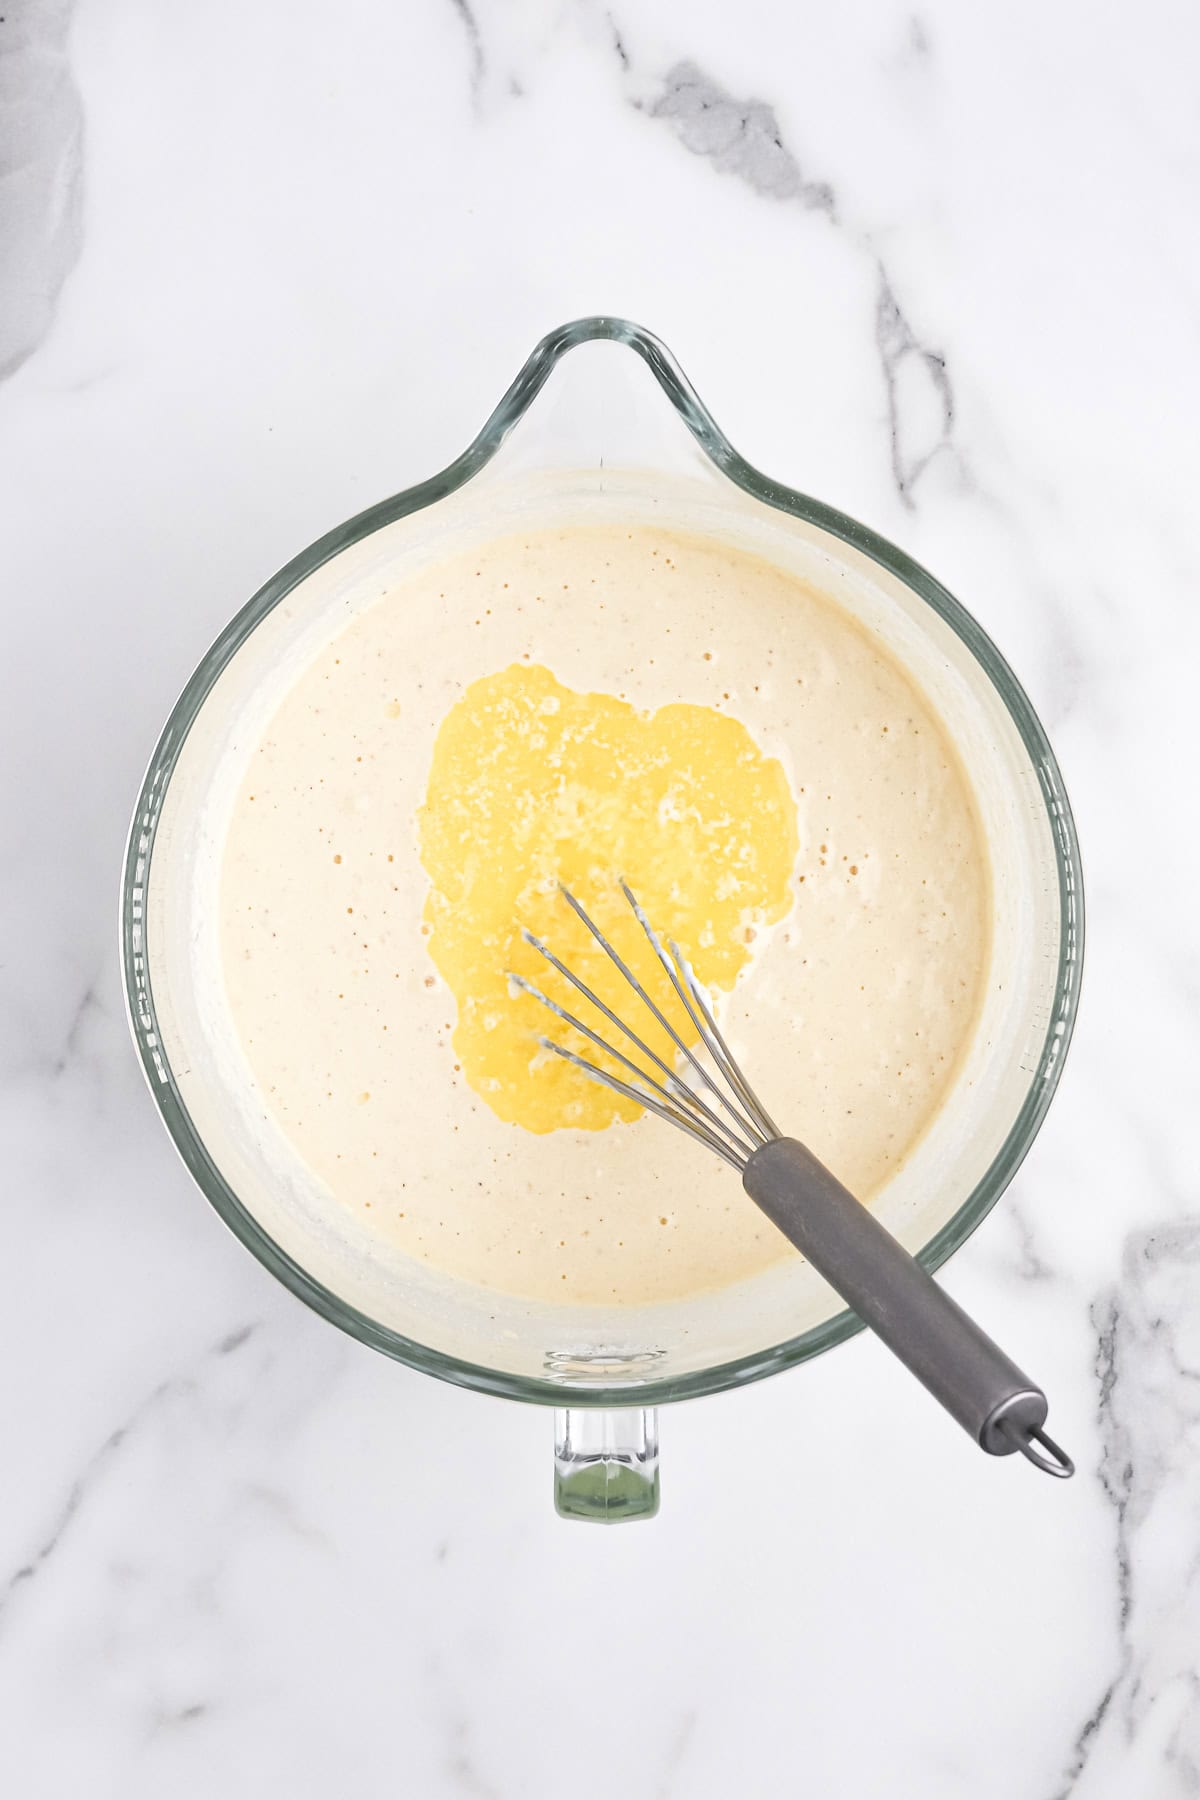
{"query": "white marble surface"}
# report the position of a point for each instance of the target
(262, 264)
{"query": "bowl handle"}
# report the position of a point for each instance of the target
(606, 1463)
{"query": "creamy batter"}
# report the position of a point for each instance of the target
(777, 785)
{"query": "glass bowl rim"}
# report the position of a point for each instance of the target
(139, 997)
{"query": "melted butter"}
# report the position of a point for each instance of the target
(534, 785)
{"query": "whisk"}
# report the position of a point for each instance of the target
(715, 1105)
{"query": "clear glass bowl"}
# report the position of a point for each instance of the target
(600, 443)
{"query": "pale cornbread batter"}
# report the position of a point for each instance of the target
(778, 789)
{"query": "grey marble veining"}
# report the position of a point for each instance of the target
(41, 172)
(919, 397)
(474, 45)
(742, 138)
(177, 1388)
(738, 137)
(1148, 1381)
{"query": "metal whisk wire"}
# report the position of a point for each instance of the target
(746, 1125)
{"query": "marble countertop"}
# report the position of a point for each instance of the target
(260, 265)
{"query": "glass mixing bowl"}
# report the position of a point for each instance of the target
(615, 436)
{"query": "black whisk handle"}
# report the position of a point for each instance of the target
(943, 1347)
